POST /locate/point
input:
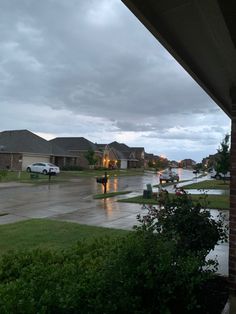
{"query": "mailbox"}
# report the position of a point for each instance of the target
(102, 180)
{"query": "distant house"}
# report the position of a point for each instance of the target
(19, 148)
(78, 147)
(187, 163)
(119, 155)
(110, 157)
(174, 164)
(128, 157)
(152, 160)
(210, 161)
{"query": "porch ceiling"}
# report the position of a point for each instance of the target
(201, 36)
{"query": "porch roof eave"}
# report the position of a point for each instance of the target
(201, 36)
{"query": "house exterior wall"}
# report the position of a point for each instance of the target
(109, 158)
(82, 162)
(232, 212)
(187, 163)
(140, 155)
(62, 161)
(133, 164)
(11, 161)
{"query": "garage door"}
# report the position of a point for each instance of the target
(28, 160)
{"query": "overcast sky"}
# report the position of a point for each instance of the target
(90, 68)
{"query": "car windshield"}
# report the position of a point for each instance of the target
(51, 165)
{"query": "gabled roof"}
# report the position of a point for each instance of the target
(101, 146)
(149, 155)
(24, 141)
(137, 149)
(19, 141)
(120, 146)
(74, 143)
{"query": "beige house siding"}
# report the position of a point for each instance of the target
(31, 158)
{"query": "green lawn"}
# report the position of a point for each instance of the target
(48, 234)
(208, 185)
(214, 201)
(111, 194)
(139, 200)
(65, 176)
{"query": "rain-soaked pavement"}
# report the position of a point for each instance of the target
(74, 202)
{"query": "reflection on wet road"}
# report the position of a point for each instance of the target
(74, 201)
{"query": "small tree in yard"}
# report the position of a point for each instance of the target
(223, 162)
(186, 222)
(91, 157)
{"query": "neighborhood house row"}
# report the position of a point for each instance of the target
(20, 148)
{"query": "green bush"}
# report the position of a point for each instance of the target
(139, 273)
(3, 174)
(160, 268)
(186, 222)
(72, 168)
(146, 275)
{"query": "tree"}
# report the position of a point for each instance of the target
(186, 222)
(91, 157)
(223, 160)
(162, 163)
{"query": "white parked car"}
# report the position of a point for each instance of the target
(43, 167)
(169, 176)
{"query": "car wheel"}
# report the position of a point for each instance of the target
(218, 177)
(28, 169)
(45, 171)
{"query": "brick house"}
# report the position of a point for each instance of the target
(78, 147)
(187, 163)
(129, 157)
(19, 148)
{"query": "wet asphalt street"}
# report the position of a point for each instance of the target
(74, 202)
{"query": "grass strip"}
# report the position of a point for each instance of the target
(64, 176)
(214, 201)
(111, 194)
(49, 234)
(208, 185)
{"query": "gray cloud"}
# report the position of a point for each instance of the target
(93, 63)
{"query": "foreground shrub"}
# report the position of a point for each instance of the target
(139, 273)
(186, 222)
(146, 275)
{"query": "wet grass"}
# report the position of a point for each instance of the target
(111, 194)
(49, 234)
(209, 185)
(213, 201)
(65, 176)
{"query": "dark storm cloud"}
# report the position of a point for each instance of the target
(94, 59)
